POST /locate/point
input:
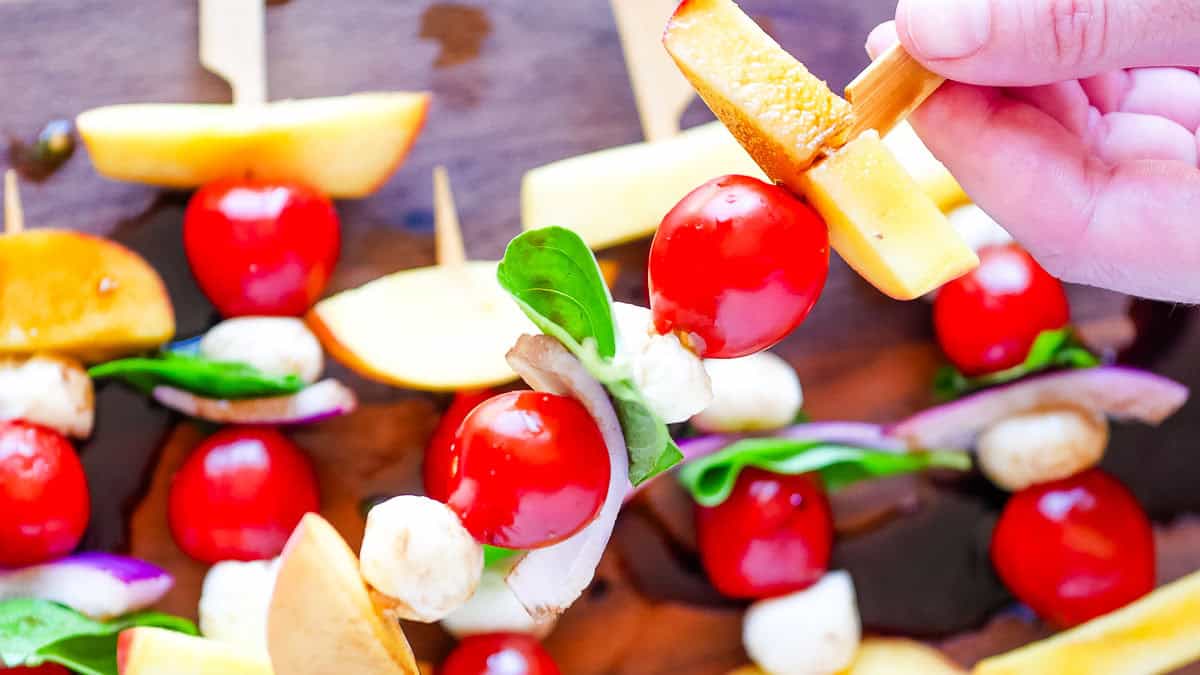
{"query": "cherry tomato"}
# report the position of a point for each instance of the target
(772, 536)
(736, 266)
(240, 494)
(44, 669)
(1076, 548)
(527, 470)
(499, 654)
(437, 453)
(44, 503)
(987, 320)
(265, 249)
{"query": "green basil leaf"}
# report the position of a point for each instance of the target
(213, 379)
(554, 277)
(1051, 349)
(495, 555)
(711, 480)
(33, 632)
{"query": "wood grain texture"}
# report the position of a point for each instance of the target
(516, 84)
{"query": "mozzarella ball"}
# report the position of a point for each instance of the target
(235, 600)
(494, 609)
(51, 391)
(669, 375)
(760, 392)
(977, 228)
(811, 632)
(418, 555)
(1041, 446)
(273, 344)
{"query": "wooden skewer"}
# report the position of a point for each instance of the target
(446, 228)
(893, 86)
(233, 46)
(660, 90)
(14, 215)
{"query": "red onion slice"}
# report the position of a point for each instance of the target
(1119, 392)
(547, 580)
(98, 585)
(314, 403)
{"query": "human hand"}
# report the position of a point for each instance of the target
(1062, 124)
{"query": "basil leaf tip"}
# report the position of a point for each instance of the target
(198, 375)
(1051, 350)
(555, 279)
(711, 480)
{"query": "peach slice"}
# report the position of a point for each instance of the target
(344, 146)
(157, 651)
(322, 620)
(621, 194)
(79, 295)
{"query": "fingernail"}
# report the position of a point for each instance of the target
(948, 29)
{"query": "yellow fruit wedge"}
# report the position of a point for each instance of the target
(889, 656)
(1157, 634)
(344, 146)
(321, 619)
(79, 295)
(930, 174)
(156, 651)
(782, 114)
(621, 194)
(882, 224)
(434, 328)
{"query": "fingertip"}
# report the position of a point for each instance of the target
(881, 38)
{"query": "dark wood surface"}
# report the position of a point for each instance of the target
(518, 83)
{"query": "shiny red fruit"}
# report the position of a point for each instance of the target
(437, 465)
(527, 470)
(44, 669)
(44, 504)
(1075, 549)
(261, 249)
(987, 320)
(736, 266)
(240, 494)
(499, 654)
(772, 536)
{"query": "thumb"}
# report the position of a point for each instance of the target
(1033, 42)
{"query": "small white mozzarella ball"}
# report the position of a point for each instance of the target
(494, 609)
(669, 375)
(273, 344)
(51, 391)
(977, 228)
(418, 555)
(811, 632)
(1041, 446)
(235, 600)
(760, 392)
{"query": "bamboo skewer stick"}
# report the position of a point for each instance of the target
(447, 231)
(893, 86)
(233, 46)
(659, 89)
(14, 215)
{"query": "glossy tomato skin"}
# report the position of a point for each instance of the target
(1076, 548)
(772, 536)
(499, 654)
(736, 266)
(987, 320)
(44, 669)
(528, 470)
(240, 494)
(261, 249)
(44, 502)
(436, 468)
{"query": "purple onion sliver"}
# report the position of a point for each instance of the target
(98, 585)
(317, 402)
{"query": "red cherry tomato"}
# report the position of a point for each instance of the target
(437, 453)
(44, 669)
(736, 266)
(987, 320)
(527, 470)
(499, 654)
(1076, 548)
(772, 536)
(44, 504)
(240, 494)
(261, 248)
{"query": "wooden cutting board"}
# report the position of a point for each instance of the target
(516, 84)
